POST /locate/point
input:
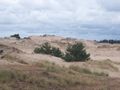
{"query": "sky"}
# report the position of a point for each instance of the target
(89, 14)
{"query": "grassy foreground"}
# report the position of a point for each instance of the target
(49, 76)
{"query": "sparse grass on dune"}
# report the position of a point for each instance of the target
(104, 65)
(13, 58)
(49, 76)
(87, 71)
(22, 69)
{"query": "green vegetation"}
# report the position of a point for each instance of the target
(74, 52)
(46, 48)
(109, 41)
(17, 36)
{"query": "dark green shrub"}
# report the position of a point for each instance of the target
(76, 52)
(57, 52)
(109, 41)
(17, 36)
(46, 48)
(68, 57)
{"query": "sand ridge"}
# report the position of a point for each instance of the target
(21, 52)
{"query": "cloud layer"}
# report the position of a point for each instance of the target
(94, 14)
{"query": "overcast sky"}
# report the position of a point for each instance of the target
(95, 14)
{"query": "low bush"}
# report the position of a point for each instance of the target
(74, 52)
(109, 41)
(57, 52)
(17, 36)
(46, 48)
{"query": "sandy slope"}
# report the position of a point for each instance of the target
(21, 51)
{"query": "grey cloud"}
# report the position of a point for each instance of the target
(92, 14)
(110, 5)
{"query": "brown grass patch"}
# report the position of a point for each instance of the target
(13, 58)
(49, 76)
(105, 65)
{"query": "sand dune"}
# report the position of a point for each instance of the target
(21, 52)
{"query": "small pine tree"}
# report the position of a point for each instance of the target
(76, 52)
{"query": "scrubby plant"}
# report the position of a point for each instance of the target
(46, 48)
(76, 52)
(17, 36)
(57, 52)
(109, 41)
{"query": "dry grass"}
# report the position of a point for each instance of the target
(87, 71)
(13, 58)
(49, 76)
(104, 65)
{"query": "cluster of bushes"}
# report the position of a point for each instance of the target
(74, 52)
(46, 48)
(110, 41)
